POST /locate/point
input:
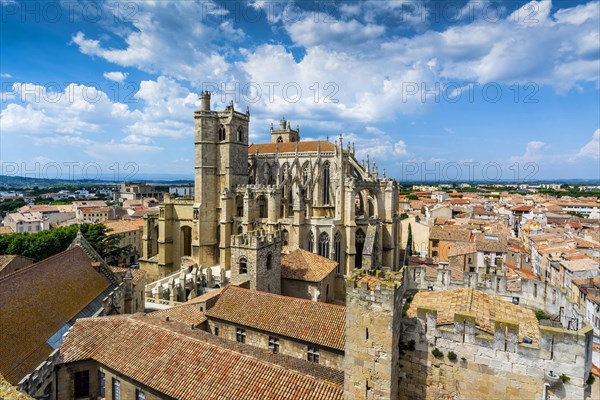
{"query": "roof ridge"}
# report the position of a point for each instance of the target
(285, 297)
(29, 267)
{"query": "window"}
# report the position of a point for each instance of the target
(337, 247)
(82, 384)
(116, 389)
(216, 331)
(359, 239)
(240, 335)
(221, 132)
(285, 237)
(139, 394)
(240, 134)
(326, 183)
(324, 245)
(274, 344)
(313, 354)
(311, 242)
(243, 264)
(269, 261)
(102, 383)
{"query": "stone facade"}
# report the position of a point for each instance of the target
(257, 256)
(288, 346)
(486, 366)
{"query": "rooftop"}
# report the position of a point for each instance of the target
(306, 266)
(450, 233)
(39, 300)
(311, 321)
(187, 363)
(291, 147)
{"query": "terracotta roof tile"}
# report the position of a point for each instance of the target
(450, 233)
(195, 365)
(136, 273)
(311, 321)
(36, 301)
(486, 309)
(290, 147)
(303, 265)
(188, 314)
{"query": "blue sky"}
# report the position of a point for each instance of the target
(430, 90)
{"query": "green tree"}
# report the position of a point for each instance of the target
(409, 241)
(413, 197)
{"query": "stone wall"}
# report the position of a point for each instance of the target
(256, 247)
(372, 336)
(491, 366)
(292, 347)
(527, 292)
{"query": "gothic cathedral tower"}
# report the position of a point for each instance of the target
(220, 163)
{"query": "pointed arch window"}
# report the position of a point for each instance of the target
(337, 248)
(326, 183)
(360, 244)
(240, 134)
(311, 242)
(324, 245)
(221, 132)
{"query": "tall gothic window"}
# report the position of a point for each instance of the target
(186, 241)
(360, 244)
(337, 246)
(311, 242)
(221, 133)
(240, 134)
(324, 245)
(239, 204)
(326, 183)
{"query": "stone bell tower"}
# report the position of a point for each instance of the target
(220, 163)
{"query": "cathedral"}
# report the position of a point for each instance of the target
(253, 202)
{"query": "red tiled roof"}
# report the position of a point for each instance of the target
(521, 208)
(184, 313)
(191, 365)
(303, 265)
(136, 273)
(38, 300)
(290, 147)
(311, 321)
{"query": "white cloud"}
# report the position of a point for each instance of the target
(5, 75)
(592, 148)
(173, 38)
(116, 76)
(533, 152)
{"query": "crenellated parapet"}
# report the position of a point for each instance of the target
(256, 239)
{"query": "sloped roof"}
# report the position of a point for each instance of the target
(290, 147)
(450, 233)
(184, 313)
(192, 364)
(37, 301)
(311, 321)
(136, 273)
(303, 265)
(486, 308)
